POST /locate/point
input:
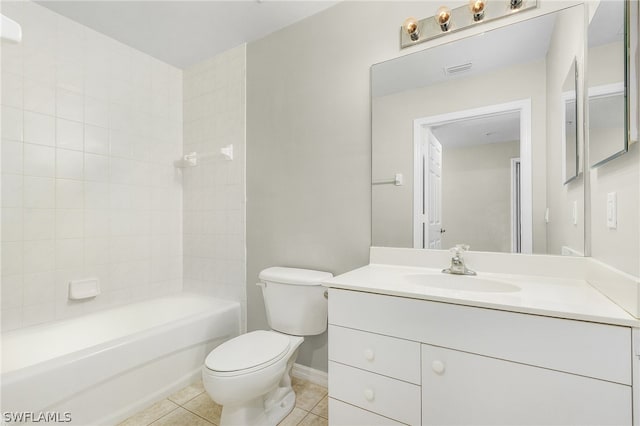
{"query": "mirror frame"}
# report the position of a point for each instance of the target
(629, 73)
(566, 99)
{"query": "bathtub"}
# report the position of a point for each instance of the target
(105, 366)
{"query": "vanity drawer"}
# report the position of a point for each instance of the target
(374, 352)
(343, 414)
(585, 348)
(388, 397)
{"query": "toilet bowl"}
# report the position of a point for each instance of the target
(250, 375)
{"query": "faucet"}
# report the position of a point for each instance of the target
(457, 261)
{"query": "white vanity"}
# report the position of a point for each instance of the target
(410, 345)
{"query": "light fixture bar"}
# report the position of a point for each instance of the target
(461, 18)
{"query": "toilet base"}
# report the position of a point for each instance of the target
(261, 411)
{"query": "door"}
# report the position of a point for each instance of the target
(433, 194)
(428, 195)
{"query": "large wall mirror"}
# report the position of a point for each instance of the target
(470, 142)
(612, 69)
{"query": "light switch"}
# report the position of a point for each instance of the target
(612, 210)
(574, 212)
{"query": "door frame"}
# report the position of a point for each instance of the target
(523, 106)
(515, 162)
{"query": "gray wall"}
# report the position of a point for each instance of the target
(309, 145)
(476, 195)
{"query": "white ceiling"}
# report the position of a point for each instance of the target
(183, 33)
(482, 130)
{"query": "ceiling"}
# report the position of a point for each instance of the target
(481, 130)
(183, 33)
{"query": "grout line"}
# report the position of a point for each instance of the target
(165, 415)
(196, 414)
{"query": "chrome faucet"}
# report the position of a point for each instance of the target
(457, 261)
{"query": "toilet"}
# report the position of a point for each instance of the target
(250, 374)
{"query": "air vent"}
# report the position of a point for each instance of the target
(457, 69)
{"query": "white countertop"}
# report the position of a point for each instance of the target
(555, 297)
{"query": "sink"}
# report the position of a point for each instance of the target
(461, 283)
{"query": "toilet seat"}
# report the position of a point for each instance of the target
(247, 353)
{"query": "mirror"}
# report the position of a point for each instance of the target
(608, 136)
(468, 140)
(570, 110)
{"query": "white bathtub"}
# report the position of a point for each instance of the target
(105, 366)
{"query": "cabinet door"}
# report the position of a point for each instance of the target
(459, 388)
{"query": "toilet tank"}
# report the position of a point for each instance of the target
(294, 300)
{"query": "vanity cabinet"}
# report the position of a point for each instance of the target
(410, 361)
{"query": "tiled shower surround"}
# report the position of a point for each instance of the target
(214, 191)
(90, 131)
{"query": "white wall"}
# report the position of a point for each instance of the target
(566, 44)
(392, 141)
(90, 128)
(214, 191)
(618, 247)
(476, 195)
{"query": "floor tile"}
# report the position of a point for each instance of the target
(150, 414)
(313, 420)
(294, 417)
(308, 394)
(322, 408)
(181, 417)
(188, 393)
(203, 406)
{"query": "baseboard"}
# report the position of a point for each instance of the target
(309, 374)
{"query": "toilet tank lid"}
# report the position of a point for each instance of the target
(278, 274)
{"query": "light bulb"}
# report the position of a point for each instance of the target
(477, 9)
(443, 16)
(410, 25)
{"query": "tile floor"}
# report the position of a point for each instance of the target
(192, 406)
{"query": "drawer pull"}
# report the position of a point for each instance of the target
(438, 367)
(369, 355)
(369, 395)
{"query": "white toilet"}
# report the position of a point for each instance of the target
(250, 374)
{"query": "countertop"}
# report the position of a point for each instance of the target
(555, 297)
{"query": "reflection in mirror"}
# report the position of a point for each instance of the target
(476, 128)
(570, 151)
(606, 70)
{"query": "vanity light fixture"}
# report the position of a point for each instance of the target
(443, 18)
(477, 9)
(446, 20)
(410, 25)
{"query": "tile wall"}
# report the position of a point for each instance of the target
(90, 131)
(214, 190)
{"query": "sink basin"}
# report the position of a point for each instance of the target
(461, 283)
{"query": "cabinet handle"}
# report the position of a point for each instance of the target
(438, 367)
(369, 395)
(369, 355)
